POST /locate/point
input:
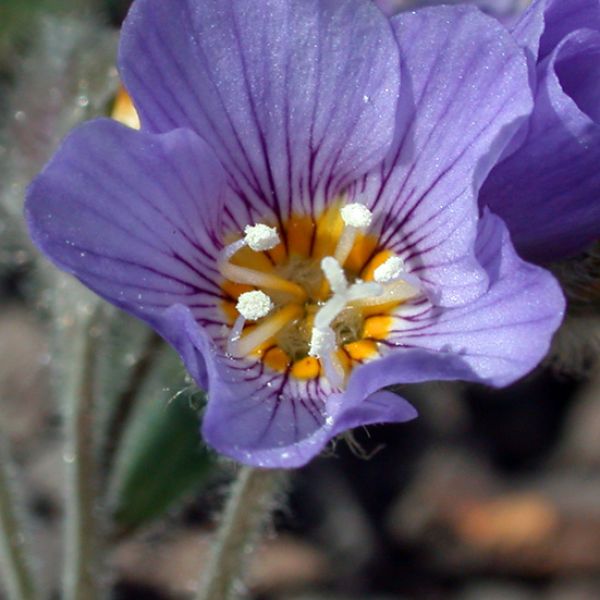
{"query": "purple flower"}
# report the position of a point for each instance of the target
(548, 190)
(298, 214)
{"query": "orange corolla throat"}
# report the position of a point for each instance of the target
(316, 297)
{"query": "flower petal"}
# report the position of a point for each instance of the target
(297, 97)
(464, 93)
(376, 408)
(561, 18)
(129, 214)
(502, 335)
(547, 192)
(529, 28)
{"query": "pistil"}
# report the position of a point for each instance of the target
(323, 343)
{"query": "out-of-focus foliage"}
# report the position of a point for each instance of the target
(62, 76)
(17, 17)
(162, 458)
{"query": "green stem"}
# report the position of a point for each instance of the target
(248, 508)
(82, 540)
(17, 575)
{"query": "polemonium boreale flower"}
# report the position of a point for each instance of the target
(298, 214)
(548, 190)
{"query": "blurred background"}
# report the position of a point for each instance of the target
(489, 495)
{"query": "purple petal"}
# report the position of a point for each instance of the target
(499, 337)
(464, 94)
(528, 29)
(547, 192)
(379, 407)
(405, 366)
(562, 18)
(546, 23)
(127, 213)
(297, 98)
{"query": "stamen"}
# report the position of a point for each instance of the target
(257, 237)
(254, 305)
(391, 269)
(251, 306)
(261, 237)
(357, 217)
(397, 291)
(267, 329)
(259, 279)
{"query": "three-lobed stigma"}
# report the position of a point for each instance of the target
(315, 298)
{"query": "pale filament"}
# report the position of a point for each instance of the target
(267, 329)
(234, 336)
(396, 291)
(259, 279)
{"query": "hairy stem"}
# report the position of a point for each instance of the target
(18, 578)
(82, 541)
(248, 508)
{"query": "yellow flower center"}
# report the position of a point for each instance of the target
(315, 298)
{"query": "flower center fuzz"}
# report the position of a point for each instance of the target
(315, 298)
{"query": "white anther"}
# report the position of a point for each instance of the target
(335, 274)
(322, 342)
(391, 269)
(356, 215)
(254, 305)
(261, 237)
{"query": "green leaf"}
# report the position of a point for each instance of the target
(162, 459)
